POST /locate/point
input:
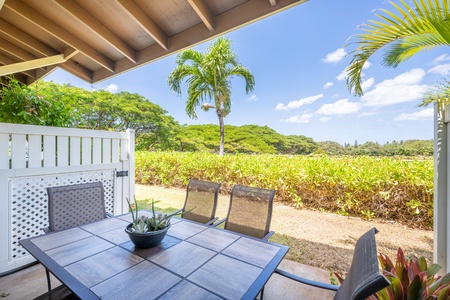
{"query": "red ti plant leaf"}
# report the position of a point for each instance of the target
(401, 268)
(414, 288)
(443, 293)
(395, 290)
(385, 262)
(441, 285)
(413, 267)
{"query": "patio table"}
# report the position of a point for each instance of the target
(194, 261)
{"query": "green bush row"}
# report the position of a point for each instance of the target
(388, 188)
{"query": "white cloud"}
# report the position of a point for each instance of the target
(340, 107)
(335, 57)
(403, 88)
(426, 114)
(112, 88)
(324, 119)
(305, 118)
(327, 85)
(367, 65)
(252, 98)
(443, 57)
(342, 75)
(443, 69)
(366, 84)
(298, 103)
(368, 114)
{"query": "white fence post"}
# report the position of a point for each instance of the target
(441, 211)
(131, 137)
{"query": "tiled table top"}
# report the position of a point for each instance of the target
(194, 261)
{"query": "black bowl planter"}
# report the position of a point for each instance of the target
(147, 239)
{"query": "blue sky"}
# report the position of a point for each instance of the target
(298, 59)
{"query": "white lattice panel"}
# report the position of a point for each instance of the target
(29, 211)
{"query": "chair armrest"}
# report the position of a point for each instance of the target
(317, 284)
(268, 235)
(220, 222)
(211, 222)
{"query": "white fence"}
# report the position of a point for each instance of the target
(33, 158)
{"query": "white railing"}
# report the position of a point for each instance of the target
(33, 158)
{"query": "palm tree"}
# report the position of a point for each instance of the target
(208, 76)
(411, 30)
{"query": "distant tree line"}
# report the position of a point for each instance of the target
(401, 148)
(50, 104)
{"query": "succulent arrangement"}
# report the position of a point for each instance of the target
(411, 278)
(157, 221)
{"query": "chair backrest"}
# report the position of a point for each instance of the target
(250, 210)
(364, 277)
(202, 196)
(73, 205)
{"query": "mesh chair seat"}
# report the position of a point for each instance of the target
(70, 206)
(73, 205)
(201, 197)
(250, 211)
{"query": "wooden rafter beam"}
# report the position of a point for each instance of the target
(204, 13)
(6, 60)
(33, 16)
(248, 12)
(99, 28)
(15, 51)
(78, 70)
(135, 12)
(25, 40)
(31, 64)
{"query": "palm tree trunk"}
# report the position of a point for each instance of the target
(222, 136)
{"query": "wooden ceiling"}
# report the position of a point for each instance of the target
(98, 39)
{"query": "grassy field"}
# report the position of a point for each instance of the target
(386, 188)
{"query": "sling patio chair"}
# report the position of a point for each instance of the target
(250, 211)
(363, 279)
(201, 201)
(73, 205)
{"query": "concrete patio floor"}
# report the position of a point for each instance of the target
(31, 282)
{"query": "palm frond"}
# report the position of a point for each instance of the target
(408, 30)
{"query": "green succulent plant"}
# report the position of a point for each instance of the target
(156, 221)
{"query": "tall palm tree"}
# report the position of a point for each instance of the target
(208, 76)
(405, 32)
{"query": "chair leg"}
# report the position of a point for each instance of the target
(49, 284)
(262, 294)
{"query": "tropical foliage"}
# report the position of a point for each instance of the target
(370, 187)
(412, 278)
(402, 148)
(250, 139)
(50, 104)
(37, 105)
(402, 32)
(208, 76)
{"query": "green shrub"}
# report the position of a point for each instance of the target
(388, 188)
